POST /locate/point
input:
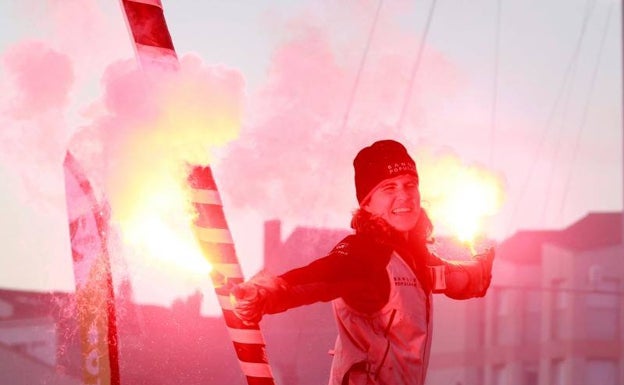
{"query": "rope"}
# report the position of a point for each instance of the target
(581, 128)
(541, 141)
(548, 195)
(416, 65)
(495, 83)
(345, 119)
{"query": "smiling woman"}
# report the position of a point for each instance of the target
(380, 278)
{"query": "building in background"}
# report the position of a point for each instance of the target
(32, 338)
(39, 343)
(556, 313)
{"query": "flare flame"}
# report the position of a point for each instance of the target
(461, 197)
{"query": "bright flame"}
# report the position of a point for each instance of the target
(460, 197)
(152, 200)
(155, 216)
(158, 226)
(173, 120)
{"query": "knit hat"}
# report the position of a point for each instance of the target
(382, 160)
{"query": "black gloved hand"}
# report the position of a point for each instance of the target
(252, 299)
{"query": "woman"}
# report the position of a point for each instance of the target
(380, 278)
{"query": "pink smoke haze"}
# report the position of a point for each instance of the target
(283, 150)
(149, 127)
(41, 78)
(91, 32)
(36, 91)
(293, 159)
(159, 118)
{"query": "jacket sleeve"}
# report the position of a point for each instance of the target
(350, 268)
(353, 270)
(322, 280)
(270, 294)
(462, 279)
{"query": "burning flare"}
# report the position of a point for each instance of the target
(175, 119)
(157, 227)
(460, 197)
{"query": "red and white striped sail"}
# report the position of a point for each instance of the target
(152, 41)
(216, 242)
(88, 226)
(151, 38)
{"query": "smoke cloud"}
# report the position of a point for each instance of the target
(283, 150)
(305, 125)
(36, 91)
(155, 123)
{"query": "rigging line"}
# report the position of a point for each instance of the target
(551, 168)
(354, 89)
(581, 128)
(345, 119)
(410, 85)
(551, 115)
(495, 82)
(558, 148)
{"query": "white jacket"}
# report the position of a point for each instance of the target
(390, 346)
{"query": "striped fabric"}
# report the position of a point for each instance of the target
(154, 46)
(216, 243)
(94, 283)
(150, 34)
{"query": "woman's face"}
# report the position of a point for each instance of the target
(397, 200)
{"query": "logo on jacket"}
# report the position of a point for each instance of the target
(406, 281)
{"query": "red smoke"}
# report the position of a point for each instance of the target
(293, 159)
(283, 150)
(36, 91)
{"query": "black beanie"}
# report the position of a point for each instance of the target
(382, 160)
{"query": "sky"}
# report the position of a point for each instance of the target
(526, 92)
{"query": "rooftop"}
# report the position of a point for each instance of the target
(595, 230)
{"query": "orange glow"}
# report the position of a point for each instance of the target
(150, 203)
(158, 228)
(460, 197)
(184, 116)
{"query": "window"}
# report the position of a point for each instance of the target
(529, 374)
(560, 303)
(499, 375)
(601, 372)
(6, 310)
(532, 317)
(562, 296)
(503, 305)
(503, 331)
(603, 310)
(556, 372)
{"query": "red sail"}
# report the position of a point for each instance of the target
(88, 226)
(216, 242)
(150, 34)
